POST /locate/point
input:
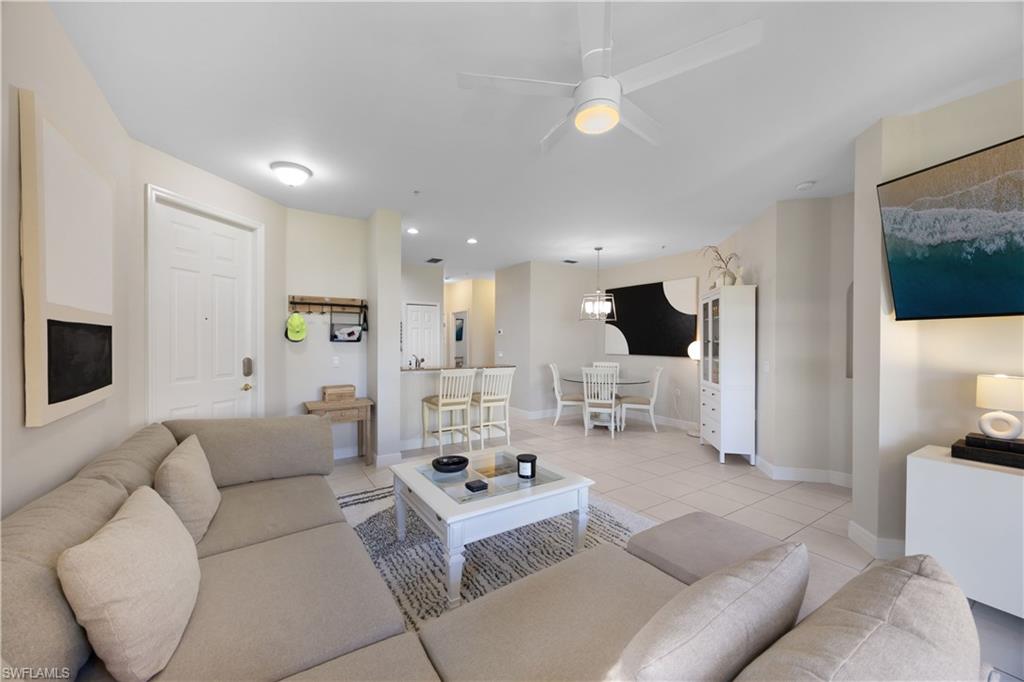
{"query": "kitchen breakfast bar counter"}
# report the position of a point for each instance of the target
(417, 384)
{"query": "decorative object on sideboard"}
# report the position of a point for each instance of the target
(1003, 394)
(598, 305)
(449, 464)
(659, 318)
(67, 264)
(980, 448)
(724, 270)
(527, 464)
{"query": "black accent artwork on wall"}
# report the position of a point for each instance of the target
(650, 323)
(79, 359)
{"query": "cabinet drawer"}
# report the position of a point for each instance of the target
(711, 431)
(711, 407)
(708, 393)
(349, 414)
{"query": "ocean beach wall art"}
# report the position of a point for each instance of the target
(954, 236)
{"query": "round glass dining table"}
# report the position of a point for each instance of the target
(621, 381)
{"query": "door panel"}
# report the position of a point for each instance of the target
(201, 306)
(422, 337)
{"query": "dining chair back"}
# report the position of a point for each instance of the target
(613, 365)
(641, 402)
(599, 397)
(561, 399)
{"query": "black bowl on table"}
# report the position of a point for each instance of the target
(450, 464)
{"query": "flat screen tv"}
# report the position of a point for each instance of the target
(954, 236)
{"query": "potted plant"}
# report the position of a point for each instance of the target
(723, 268)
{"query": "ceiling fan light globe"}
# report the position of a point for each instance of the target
(596, 117)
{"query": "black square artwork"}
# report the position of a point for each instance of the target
(79, 359)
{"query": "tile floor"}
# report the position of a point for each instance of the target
(667, 474)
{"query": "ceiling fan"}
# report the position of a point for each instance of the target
(599, 98)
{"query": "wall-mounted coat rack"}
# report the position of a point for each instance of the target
(351, 311)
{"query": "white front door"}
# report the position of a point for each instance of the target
(422, 337)
(201, 315)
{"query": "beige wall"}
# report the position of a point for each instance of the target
(914, 380)
(512, 327)
(325, 256)
(384, 357)
(476, 296)
(677, 394)
(37, 55)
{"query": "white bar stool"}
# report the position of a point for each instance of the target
(495, 391)
(454, 391)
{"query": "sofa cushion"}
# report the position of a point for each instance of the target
(185, 483)
(696, 545)
(905, 620)
(134, 462)
(255, 512)
(132, 586)
(38, 625)
(395, 658)
(568, 622)
(713, 628)
(246, 450)
(283, 606)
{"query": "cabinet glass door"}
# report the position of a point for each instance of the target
(715, 315)
(705, 341)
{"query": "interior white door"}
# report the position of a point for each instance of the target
(202, 316)
(422, 334)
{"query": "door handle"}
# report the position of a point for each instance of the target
(246, 387)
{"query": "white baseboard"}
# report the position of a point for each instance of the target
(880, 548)
(346, 452)
(778, 473)
(631, 416)
(389, 459)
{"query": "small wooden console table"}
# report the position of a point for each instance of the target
(350, 410)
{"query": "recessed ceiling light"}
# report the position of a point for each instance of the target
(805, 185)
(411, 230)
(291, 174)
(471, 240)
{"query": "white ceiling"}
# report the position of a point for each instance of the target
(365, 95)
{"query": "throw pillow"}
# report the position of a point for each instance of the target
(713, 628)
(133, 586)
(185, 482)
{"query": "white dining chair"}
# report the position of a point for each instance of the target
(613, 365)
(454, 392)
(495, 392)
(570, 399)
(599, 398)
(640, 402)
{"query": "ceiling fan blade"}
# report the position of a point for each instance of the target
(520, 86)
(688, 58)
(556, 134)
(595, 37)
(635, 119)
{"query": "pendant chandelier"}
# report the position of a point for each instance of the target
(598, 305)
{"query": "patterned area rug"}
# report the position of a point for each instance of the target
(414, 569)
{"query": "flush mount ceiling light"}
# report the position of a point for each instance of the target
(598, 305)
(601, 98)
(805, 185)
(411, 230)
(291, 174)
(471, 240)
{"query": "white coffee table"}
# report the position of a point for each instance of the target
(459, 517)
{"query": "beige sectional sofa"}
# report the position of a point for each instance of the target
(287, 590)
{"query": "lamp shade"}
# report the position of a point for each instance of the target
(1000, 392)
(693, 350)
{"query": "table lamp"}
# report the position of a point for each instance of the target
(1002, 394)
